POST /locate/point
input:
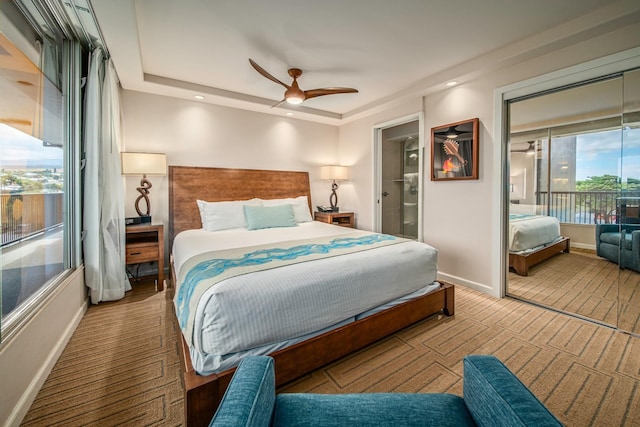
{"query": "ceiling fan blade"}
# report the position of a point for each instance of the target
(531, 149)
(328, 91)
(266, 74)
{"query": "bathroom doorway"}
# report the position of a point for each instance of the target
(399, 178)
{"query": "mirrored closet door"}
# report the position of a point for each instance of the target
(574, 190)
(629, 222)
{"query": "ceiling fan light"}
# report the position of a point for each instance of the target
(294, 100)
(452, 133)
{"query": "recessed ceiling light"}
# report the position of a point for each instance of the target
(199, 97)
(289, 113)
(452, 83)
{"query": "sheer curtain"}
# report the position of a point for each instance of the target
(103, 210)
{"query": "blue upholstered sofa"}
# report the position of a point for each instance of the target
(493, 396)
(627, 254)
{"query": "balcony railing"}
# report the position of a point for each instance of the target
(590, 207)
(24, 215)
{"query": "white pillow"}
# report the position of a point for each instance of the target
(300, 207)
(217, 216)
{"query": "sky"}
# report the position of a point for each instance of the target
(599, 154)
(22, 151)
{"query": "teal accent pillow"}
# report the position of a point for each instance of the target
(259, 217)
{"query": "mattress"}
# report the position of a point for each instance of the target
(529, 232)
(263, 311)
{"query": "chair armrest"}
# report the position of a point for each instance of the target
(496, 397)
(607, 228)
(635, 244)
(251, 395)
(630, 227)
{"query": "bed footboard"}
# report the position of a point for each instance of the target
(522, 263)
(203, 394)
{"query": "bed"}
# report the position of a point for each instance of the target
(533, 238)
(296, 352)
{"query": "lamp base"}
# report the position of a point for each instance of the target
(144, 219)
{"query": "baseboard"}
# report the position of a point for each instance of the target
(583, 246)
(31, 392)
(469, 284)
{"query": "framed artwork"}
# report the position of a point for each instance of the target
(454, 151)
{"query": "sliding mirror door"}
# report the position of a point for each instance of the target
(629, 218)
(566, 181)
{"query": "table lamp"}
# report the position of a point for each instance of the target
(144, 164)
(334, 173)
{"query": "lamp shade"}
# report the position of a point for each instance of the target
(144, 163)
(336, 173)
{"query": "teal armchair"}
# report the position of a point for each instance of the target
(619, 243)
(493, 396)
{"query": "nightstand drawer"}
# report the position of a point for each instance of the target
(145, 243)
(343, 219)
(142, 253)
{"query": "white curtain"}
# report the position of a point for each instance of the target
(103, 210)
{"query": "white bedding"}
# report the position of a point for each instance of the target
(528, 232)
(272, 308)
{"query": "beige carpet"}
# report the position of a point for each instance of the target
(120, 367)
(582, 283)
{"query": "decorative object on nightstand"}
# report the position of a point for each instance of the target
(343, 219)
(334, 173)
(145, 243)
(143, 164)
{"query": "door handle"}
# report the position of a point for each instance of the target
(385, 194)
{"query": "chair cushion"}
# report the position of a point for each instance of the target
(369, 410)
(614, 239)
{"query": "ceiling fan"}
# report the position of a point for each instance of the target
(529, 150)
(295, 95)
(451, 132)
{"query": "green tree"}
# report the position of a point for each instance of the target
(600, 196)
(633, 184)
(599, 183)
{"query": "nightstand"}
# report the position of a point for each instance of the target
(145, 243)
(344, 219)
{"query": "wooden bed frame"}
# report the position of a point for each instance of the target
(522, 262)
(202, 394)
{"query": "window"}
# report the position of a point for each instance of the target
(576, 160)
(37, 166)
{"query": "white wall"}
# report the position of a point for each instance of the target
(194, 133)
(462, 219)
(27, 358)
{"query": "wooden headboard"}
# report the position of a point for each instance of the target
(188, 184)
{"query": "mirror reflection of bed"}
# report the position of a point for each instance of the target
(545, 268)
(533, 237)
